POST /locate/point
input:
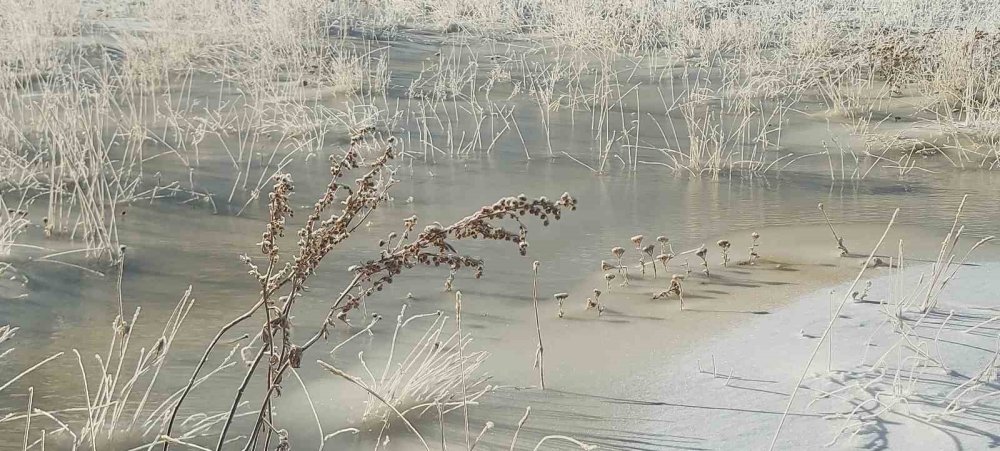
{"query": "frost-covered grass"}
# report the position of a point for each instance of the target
(104, 104)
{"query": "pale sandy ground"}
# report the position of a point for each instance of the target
(630, 379)
(794, 261)
(737, 403)
(750, 363)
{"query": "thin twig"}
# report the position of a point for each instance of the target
(795, 390)
(364, 387)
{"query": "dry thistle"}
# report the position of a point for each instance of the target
(875, 262)
(618, 252)
(665, 247)
(595, 303)
(863, 295)
(321, 234)
(608, 278)
(752, 259)
(560, 298)
(637, 241)
(840, 240)
(648, 250)
(664, 259)
(674, 290)
(702, 253)
(450, 281)
(724, 245)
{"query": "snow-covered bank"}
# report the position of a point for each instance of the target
(882, 388)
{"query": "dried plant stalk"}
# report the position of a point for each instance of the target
(322, 232)
(539, 352)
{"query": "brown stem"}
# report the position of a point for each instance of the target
(264, 409)
(201, 364)
(239, 395)
(343, 294)
(285, 364)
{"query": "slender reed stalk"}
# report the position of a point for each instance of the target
(539, 353)
(465, 393)
(840, 240)
(826, 332)
(520, 424)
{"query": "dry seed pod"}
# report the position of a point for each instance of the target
(618, 252)
(637, 241)
(648, 250)
(840, 240)
(752, 259)
(724, 245)
(664, 244)
(560, 297)
(702, 253)
(675, 288)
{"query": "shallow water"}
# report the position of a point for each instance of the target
(172, 246)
